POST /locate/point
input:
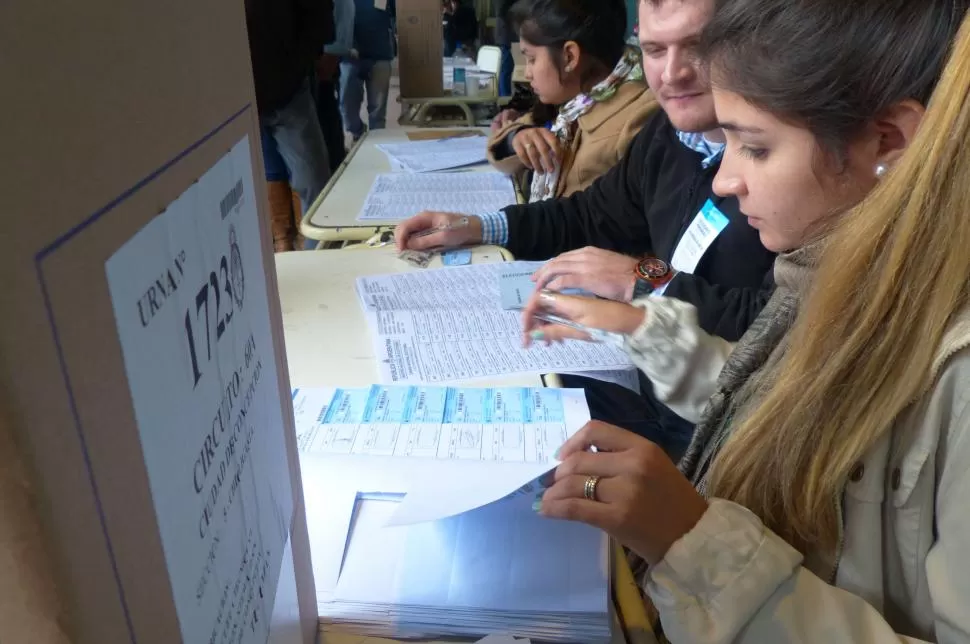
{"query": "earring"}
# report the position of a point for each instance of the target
(881, 170)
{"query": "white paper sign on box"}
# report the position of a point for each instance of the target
(191, 307)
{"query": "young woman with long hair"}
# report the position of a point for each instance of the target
(824, 494)
(592, 99)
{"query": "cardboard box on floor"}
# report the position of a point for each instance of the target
(149, 482)
(420, 48)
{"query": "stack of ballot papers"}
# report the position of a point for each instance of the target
(419, 510)
(395, 196)
(463, 322)
(439, 154)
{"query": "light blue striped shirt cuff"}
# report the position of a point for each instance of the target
(495, 228)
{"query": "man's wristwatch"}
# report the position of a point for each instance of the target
(650, 273)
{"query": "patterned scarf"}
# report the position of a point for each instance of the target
(751, 368)
(748, 372)
(628, 69)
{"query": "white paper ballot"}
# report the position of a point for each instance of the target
(396, 196)
(498, 438)
(439, 154)
(310, 407)
(448, 324)
(549, 418)
(497, 568)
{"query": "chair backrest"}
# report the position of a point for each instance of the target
(489, 59)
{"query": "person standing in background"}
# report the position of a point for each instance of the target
(460, 27)
(285, 37)
(370, 68)
(504, 37)
(328, 78)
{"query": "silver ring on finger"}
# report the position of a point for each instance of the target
(589, 488)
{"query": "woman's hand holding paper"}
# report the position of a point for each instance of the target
(640, 498)
(588, 312)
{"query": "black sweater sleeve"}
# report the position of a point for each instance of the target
(609, 214)
(722, 311)
(314, 28)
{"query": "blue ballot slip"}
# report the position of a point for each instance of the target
(516, 285)
(473, 423)
(461, 257)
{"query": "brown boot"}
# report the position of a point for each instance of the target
(280, 214)
(300, 240)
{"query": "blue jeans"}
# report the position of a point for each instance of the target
(505, 71)
(641, 413)
(273, 163)
(292, 133)
(354, 76)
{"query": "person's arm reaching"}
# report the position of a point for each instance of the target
(681, 360)
(716, 574)
(609, 213)
(659, 333)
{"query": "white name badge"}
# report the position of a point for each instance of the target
(701, 233)
(380, 5)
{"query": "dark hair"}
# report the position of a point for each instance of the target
(597, 26)
(830, 65)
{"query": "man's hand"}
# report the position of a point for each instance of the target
(450, 233)
(601, 272)
(327, 66)
(503, 118)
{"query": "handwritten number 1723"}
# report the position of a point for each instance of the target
(218, 282)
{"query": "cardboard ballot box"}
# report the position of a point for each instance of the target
(420, 48)
(149, 485)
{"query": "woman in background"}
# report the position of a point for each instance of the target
(824, 494)
(592, 99)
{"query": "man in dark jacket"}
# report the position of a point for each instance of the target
(504, 37)
(327, 96)
(285, 38)
(658, 202)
